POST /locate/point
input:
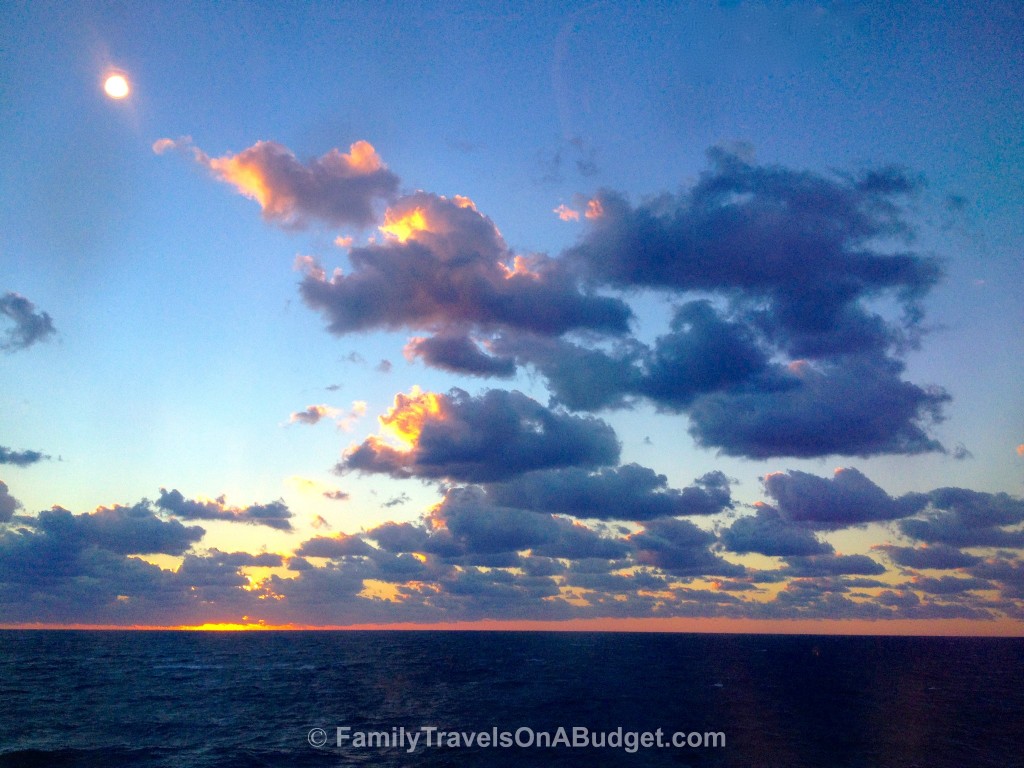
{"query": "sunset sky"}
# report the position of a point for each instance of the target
(691, 316)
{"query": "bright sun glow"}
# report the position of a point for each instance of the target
(116, 86)
(406, 418)
(403, 226)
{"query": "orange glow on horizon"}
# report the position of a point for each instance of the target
(889, 627)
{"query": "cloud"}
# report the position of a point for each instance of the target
(628, 492)
(796, 269)
(119, 529)
(767, 532)
(342, 545)
(719, 371)
(20, 458)
(565, 213)
(479, 526)
(460, 354)
(579, 377)
(29, 327)
(8, 504)
(848, 498)
(274, 514)
(681, 548)
(860, 407)
(312, 414)
(795, 240)
(964, 518)
(336, 189)
(833, 565)
(936, 556)
(444, 263)
(1008, 573)
(949, 585)
(490, 437)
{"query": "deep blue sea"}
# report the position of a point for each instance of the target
(194, 699)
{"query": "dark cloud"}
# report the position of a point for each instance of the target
(336, 495)
(679, 547)
(964, 518)
(1009, 574)
(859, 407)
(337, 188)
(579, 377)
(704, 353)
(479, 526)
(976, 509)
(719, 373)
(20, 458)
(948, 585)
(629, 492)
(342, 545)
(312, 414)
(444, 264)
(491, 437)
(848, 498)
(795, 241)
(767, 532)
(791, 259)
(122, 530)
(833, 565)
(274, 514)
(30, 326)
(937, 556)
(460, 354)
(8, 504)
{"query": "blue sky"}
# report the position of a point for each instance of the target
(162, 329)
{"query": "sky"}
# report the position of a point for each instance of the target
(686, 316)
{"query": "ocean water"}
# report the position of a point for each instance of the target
(192, 700)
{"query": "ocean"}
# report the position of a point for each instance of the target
(234, 699)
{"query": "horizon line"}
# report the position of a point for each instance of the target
(835, 627)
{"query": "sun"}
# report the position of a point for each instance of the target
(116, 86)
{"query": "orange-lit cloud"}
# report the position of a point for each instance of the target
(1020, 449)
(495, 435)
(565, 213)
(594, 209)
(404, 420)
(420, 214)
(522, 266)
(336, 188)
(403, 226)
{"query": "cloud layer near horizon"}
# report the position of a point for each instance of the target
(501, 551)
